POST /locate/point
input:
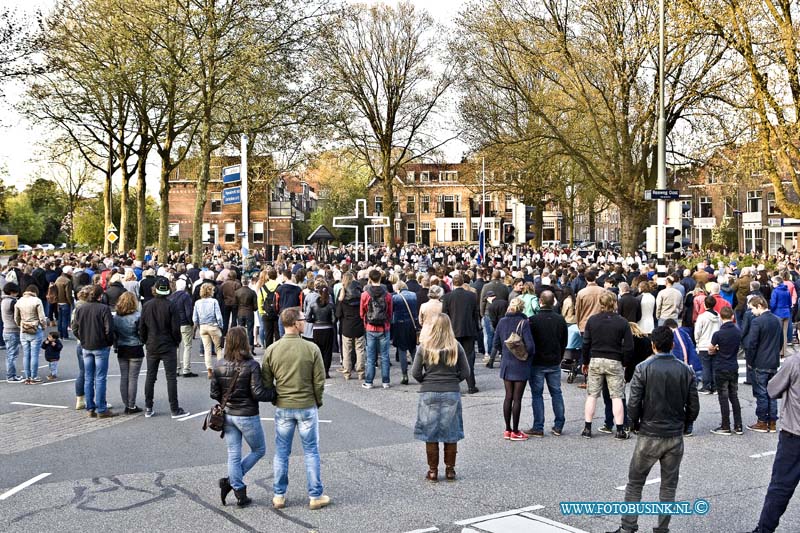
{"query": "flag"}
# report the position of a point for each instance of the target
(481, 238)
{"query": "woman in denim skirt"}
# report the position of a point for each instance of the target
(440, 366)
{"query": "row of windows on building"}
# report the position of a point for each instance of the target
(754, 204)
(450, 205)
(226, 231)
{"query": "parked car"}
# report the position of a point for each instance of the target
(62, 246)
(24, 248)
(551, 244)
(45, 246)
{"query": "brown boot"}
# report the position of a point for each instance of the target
(759, 427)
(432, 451)
(210, 373)
(772, 427)
(450, 451)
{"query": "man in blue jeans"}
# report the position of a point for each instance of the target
(93, 326)
(293, 367)
(786, 468)
(10, 331)
(763, 354)
(549, 331)
(376, 312)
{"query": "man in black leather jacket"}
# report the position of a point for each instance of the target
(660, 420)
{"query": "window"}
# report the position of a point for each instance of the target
(705, 207)
(216, 202)
(508, 203)
(409, 177)
(730, 207)
(424, 177)
(426, 203)
(230, 232)
(753, 202)
(425, 226)
(772, 206)
(379, 204)
(258, 232)
(448, 176)
(450, 205)
(473, 236)
(411, 232)
(456, 231)
(410, 205)
(174, 229)
(396, 206)
(207, 234)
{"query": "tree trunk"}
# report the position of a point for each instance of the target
(163, 214)
(141, 199)
(632, 218)
(538, 225)
(202, 187)
(107, 195)
(592, 222)
(124, 198)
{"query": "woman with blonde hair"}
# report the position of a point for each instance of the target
(207, 318)
(440, 366)
(514, 372)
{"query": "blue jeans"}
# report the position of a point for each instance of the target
(31, 346)
(63, 320)
(250, 428)
(248, 323)
(95, 363)
(307, 422)
(281, 329)
(12, 351)
(377, 340)
(708, 370)
(488, 334)
(785, 476)
(403, 360)
(766, 407)
(551, 374)
(80, 380)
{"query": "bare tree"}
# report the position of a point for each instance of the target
(379, 65)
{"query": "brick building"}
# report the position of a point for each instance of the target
(439, 203)
(276, 203)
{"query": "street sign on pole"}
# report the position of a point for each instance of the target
(112, 237)
(111, 228)
(231, 195)
(661, 194)
(231, 174)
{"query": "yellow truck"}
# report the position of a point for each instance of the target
(8, 243)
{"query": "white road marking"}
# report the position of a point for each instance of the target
(40, 405)
(142, 373)
(45, 366)
(648, 482)
(426, 530)
(21, 486)
(765, 454)
(320, 421)
(498, 515)
(192, 416)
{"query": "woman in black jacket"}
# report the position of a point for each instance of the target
(351, 326)
(240, 374)
(322, 316)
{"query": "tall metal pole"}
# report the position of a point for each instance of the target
(662, 171)
(245, 205)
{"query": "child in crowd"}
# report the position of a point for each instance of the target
(52, 353)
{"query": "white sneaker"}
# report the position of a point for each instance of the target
(386, 386)
(366, 385)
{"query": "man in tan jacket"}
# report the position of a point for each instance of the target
(587, 302)
(669, 302)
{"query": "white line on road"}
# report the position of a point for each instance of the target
(40, 405)
(45, 366)
(142, 373)
(21, 486)
(498, 515)
(192, 416)
(426, 530)
(648, 482)
(765, 454)
(320, 421)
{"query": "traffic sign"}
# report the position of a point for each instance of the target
(231, 174)
(242, 234)
(111, 228)
(232, 195)
(112, 237)
(662, 194)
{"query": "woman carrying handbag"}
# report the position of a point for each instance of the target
(237, 385)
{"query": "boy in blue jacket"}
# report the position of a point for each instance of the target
(725, 348)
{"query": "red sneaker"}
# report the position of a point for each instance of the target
(518, 435)
(507, 435)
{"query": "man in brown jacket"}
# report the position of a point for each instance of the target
(65, 301)
(742, 288)
(587, 302)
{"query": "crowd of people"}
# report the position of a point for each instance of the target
(606, 317)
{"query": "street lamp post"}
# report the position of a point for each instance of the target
(661, 182)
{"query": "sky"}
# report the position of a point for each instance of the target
(21, 141)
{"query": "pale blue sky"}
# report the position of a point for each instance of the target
(19, 139)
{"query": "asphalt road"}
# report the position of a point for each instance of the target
(159, 474)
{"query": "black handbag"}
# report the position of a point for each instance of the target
(516, 344)
(215, 418)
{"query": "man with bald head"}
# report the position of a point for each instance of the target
(549, 331)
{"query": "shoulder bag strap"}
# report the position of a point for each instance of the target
(230, 389)
(410, 314)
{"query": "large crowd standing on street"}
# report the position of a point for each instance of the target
(647, 345)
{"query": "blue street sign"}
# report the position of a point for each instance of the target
(232, 195)
(231, 174)
(662, 194)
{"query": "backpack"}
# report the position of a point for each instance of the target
(377, 313)
(269, 303)
(52, 293)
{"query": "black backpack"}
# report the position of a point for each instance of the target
(377, 312)
(269, 303)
